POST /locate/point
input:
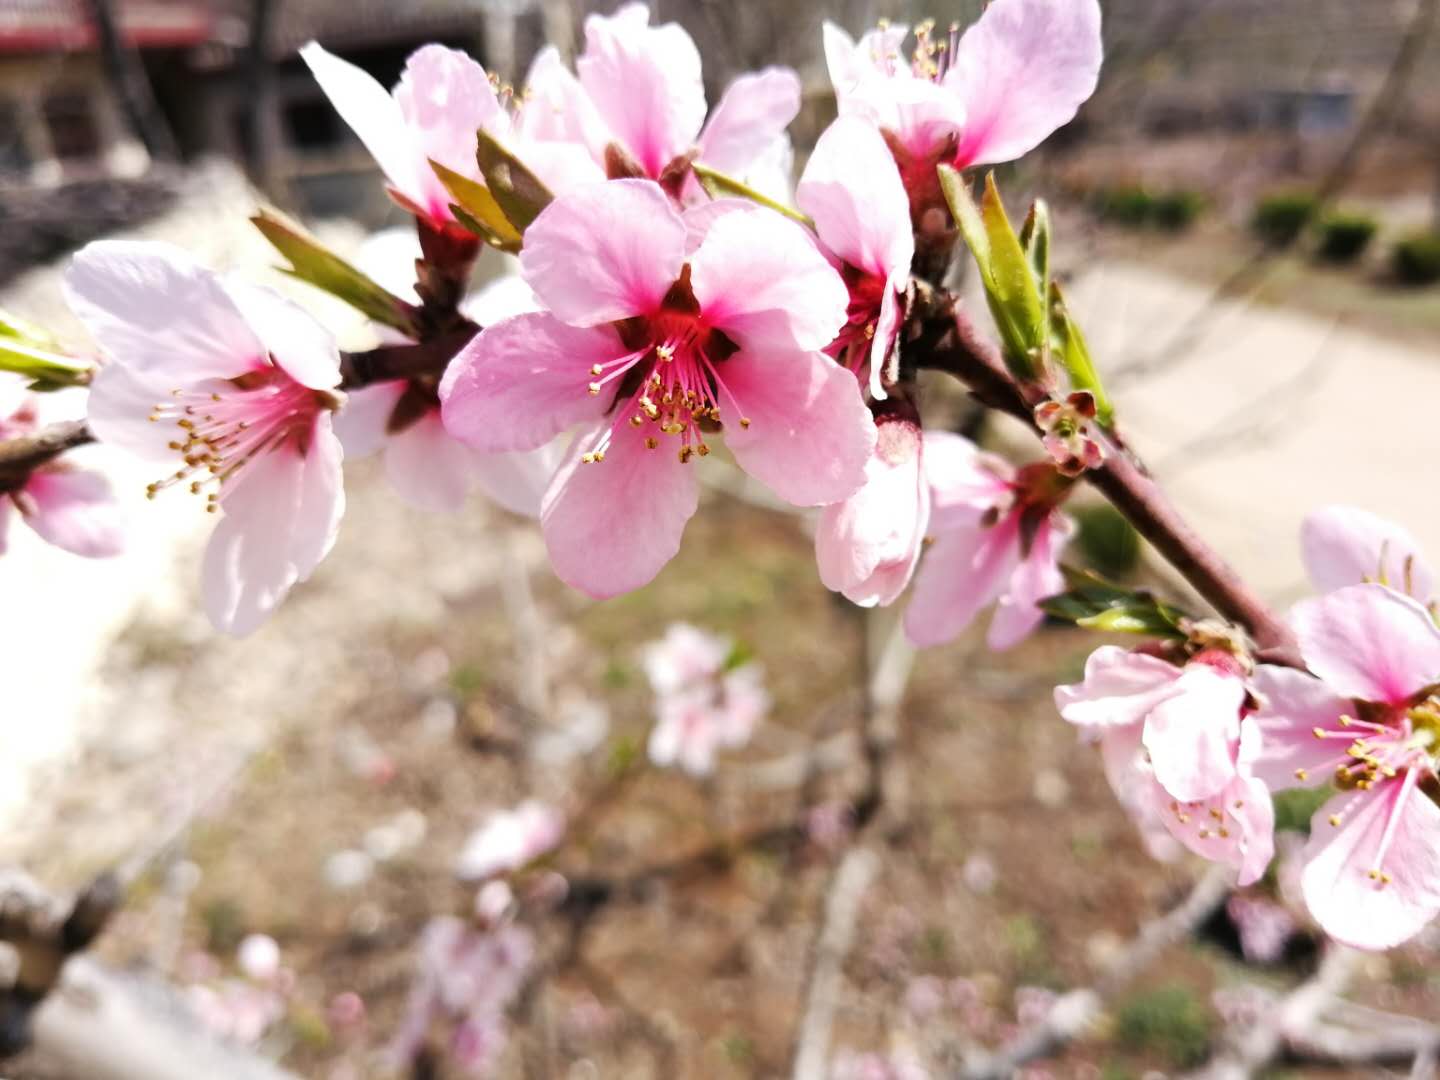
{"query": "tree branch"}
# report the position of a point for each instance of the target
(20, 457)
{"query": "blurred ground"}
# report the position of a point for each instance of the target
(383, 701)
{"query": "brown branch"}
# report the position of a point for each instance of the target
(949, 342)
(22, 456)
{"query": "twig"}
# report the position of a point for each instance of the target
(842, 907)
(954, 346)
(1072, 1013)
(22, 456)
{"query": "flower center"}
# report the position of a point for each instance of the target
(669, 384)
(224, 424)
(851, 346)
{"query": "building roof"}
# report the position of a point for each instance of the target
(64, 25)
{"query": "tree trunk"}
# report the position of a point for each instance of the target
(130, 84)
(265, 142)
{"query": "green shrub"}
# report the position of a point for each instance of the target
(1129, 205)
(1170, 1022)
(1176, 211)
(1344, 237)
(1279, 219)
(1417, 259)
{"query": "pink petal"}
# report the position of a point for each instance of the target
(921, 114)
(1345, 546)
(1119, 689)
(1192, 735)
(445, 98)
(754, 111)
(700, 217)
(280, 519)
(1024, 69)
(361, 425)
(557, 109)
(1292, 705)
(374, 115)
(1037, 577)
(507, 295)
(853, 190)
(1236, 826)
(427, 467)
(518, 481)
(298, 344)
(611, 526)
(761, 279)
(1368, 642)
(119, 408)
(963, 572)
(809, 435)
(75, 510)
(645, 83)
(521, 382)
(154, 309)
(965, 484)
(604, 252)
(1348, 904)
(561, 167)
(867, 546)
(851, 64)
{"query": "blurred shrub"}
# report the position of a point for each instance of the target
(1295, 807)
(1169, 1021)
(1129, 205)
(1344, 237)
(1417, 259)
(1280, 218)
(1107, 542)
(1176, 211)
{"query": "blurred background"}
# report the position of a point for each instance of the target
(1249, 221)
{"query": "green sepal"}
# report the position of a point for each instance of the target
(1074, 354)
(719, 186)
(29, 351)
(1096, 604)
(1011, 288)
(313, 263)
(476, 209)
(519, 192)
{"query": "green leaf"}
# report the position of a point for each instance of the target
(316, 265)
(1011, 288)
(1035, 239)
(477, 210)
(518, 191)
(28, 350)
(1096, 604)
(718, 186)
(1074, 354)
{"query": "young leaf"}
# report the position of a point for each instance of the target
(718, 186)
(1074, 354)
(518, 191)
(1010, 284)
(1098, 605)
(313, 263)
(477, 210)
(45, 370)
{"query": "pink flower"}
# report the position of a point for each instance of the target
(852, 190)
(1176, 743)
(998, 540)
(657, 337)
(442, 99)
(232, 387)
(640, 88)
(700, 707)
(1345, 546)
(867, 546)
(988, 96)
(1371, 725)
(68, 507)
(426, 466)
(509, 840)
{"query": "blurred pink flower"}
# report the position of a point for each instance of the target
(981, 98)
(654, 334)
(1342, 546)
(640, 89)
(509, 840)
(700, 707)
(236, 386)
(853, 192)
(901, 1065)
(65, 506)
(1370, 724)
(1264, 927)
(998, 539)
(1178, 739)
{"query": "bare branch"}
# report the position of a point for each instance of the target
(20, 457)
